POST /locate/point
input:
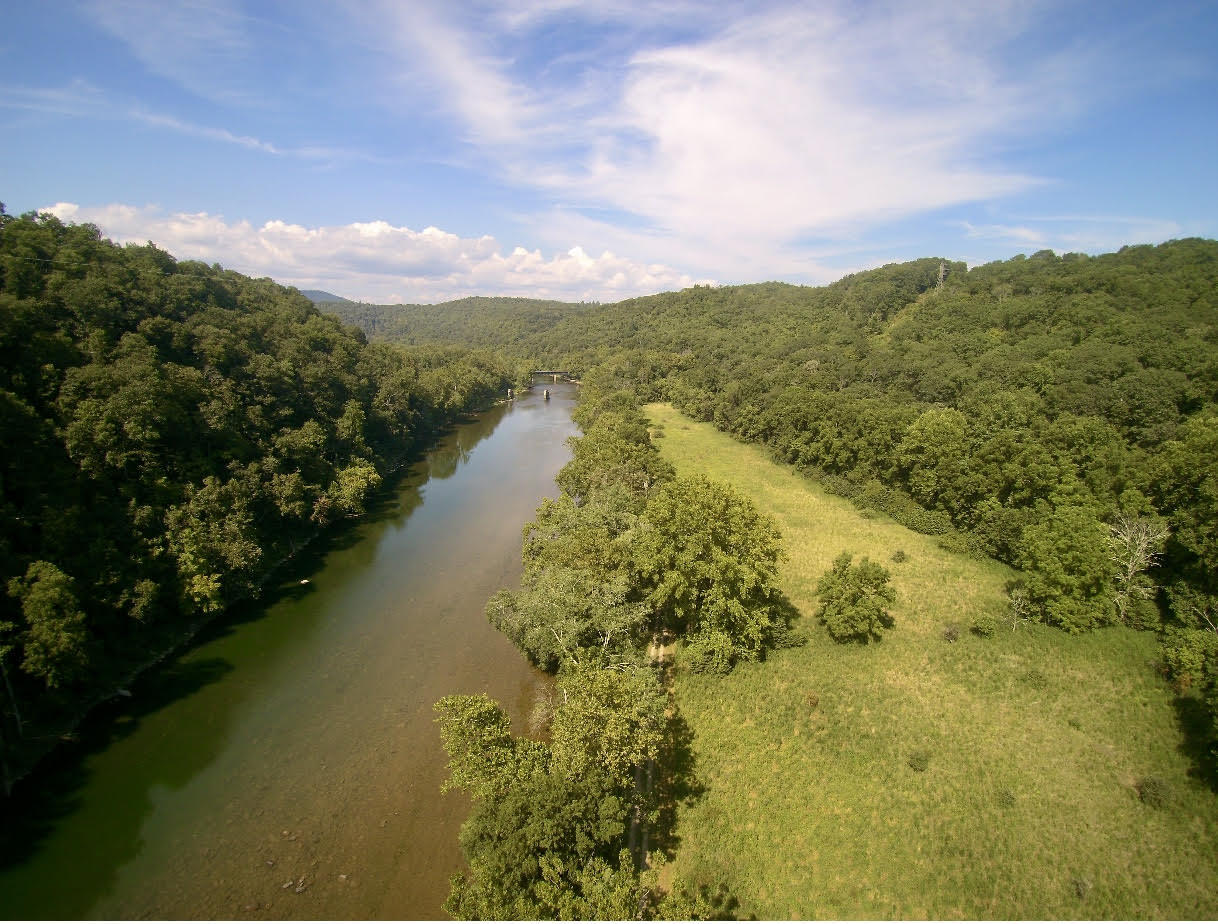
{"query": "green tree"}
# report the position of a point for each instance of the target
(708, 559)
(854, 599)
(1065, 553)
(55, 640)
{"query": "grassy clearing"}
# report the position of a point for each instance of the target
(1032, 742)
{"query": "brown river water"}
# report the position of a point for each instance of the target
(287, 765)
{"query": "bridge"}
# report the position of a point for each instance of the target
(554, 372)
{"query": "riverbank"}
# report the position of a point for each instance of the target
(296, 738)
(23, 757)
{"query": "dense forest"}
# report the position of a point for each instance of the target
(171, 432)
(1058, 413)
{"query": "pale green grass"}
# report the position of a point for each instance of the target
(1027, 808)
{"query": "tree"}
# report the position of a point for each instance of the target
(708, 559)
(1066, 556)
(854, 599)
(1134, 545)
(611, 722)
(55, 640)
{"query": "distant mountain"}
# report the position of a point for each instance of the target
(317, 296)
(493, 322)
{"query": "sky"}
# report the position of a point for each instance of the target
(418, 151)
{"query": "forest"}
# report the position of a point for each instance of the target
(173, 431)
(1057, 413)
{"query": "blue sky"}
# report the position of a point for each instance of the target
(420, 151)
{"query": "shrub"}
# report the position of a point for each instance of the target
(984, 625)
(1153, 791)
(855, 599)
(1006, 798)
(951, 632)
(1035, 679)
(919, 761)
(899, 556)
(710, 652)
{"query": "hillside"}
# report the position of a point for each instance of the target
(172, 431)
(1056, 413)
(501, 323)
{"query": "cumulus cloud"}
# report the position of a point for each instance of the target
(378, 261)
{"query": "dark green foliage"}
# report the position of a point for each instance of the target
(1153, 791)
(899, 556)
(854, 600)
(549, 835)
(171, 431)
(709, 652)
(919, 761)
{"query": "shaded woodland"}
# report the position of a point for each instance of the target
(171, 432)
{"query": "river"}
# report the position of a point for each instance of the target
(288, 764)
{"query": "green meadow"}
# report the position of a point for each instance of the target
(926, 778)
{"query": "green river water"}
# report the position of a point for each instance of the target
(287, 765)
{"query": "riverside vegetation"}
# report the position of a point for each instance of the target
(171, 431)
(1053, 414)
(1048, 425)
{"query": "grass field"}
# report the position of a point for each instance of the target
(1033, 741)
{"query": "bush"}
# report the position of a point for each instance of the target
(984, 625)
(1006, 798)
(899, 556)
(951, 632)
(710, 652)
(1035, 679)
(1153, 791)
(919, 761)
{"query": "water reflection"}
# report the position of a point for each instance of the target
(298, 731)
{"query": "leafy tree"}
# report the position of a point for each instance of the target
(611, 722)
(708, 559)
(1065, 554)
(55, 641)
(854, 599)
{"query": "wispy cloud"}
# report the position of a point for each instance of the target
(791, 123)
(201, 45)
(1086, 233)
(378, 261)
(82, 100)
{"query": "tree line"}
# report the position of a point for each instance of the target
(1059, 413)
(172, 431)
(629, 557)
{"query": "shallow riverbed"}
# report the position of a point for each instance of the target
(288, 765)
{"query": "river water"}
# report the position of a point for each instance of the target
(288, 764)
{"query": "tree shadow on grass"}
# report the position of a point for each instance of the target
(1197, 739)
(677, 785)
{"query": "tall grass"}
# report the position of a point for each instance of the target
(921, 778)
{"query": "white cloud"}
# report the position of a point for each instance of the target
(378, 261)
(794, 122)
